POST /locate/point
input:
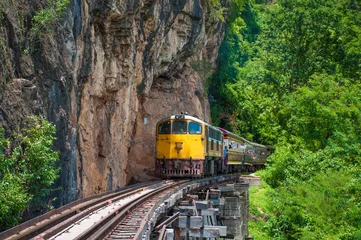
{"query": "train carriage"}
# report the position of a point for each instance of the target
(259, 158)
(187, 147)
(240, 151)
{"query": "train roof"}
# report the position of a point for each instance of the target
(258, 145)
(187, 117)
(231, 134)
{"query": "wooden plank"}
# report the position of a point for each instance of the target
(195, 197)
(201, 204)
(162, 233)
(210, 212)
(217, 202)
(195, 208)
(227, 189)
(167, 221)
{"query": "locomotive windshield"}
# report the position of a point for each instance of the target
(179, 127)
(195, 128)
(164, 128)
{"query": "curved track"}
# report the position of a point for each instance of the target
(102, 221)
(129, 214)
(49, 224)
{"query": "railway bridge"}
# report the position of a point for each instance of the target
(209, 208)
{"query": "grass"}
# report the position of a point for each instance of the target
(258, 211)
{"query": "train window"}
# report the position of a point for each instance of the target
(218, 135)
(195, 128)
(164, 128)
(179, 127)
(211, 133)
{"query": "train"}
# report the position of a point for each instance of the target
(186, 146)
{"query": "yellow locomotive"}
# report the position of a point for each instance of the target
(189, 147)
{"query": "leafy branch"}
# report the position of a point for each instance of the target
(27, 169)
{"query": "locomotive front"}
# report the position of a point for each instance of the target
(180, 149)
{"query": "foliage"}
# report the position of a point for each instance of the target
(44, 19)
(259, 210)
(320, 208)
(27, 169)
(216, 11)
(289, 75)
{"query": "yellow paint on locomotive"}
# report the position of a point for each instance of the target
(186, 145)
(180, 146)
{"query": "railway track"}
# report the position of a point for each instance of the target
(116, 214)
(129, 214)
(57, 220)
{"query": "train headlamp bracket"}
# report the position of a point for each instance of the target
(178, 146)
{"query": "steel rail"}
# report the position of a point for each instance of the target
(58, 228)
(59, 219)
(101, 229)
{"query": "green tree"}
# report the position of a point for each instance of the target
(289, 75)
(27, 169)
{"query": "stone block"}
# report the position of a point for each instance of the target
(231, 200)
(182, 221)
(221, 229)
(196, 222)
(233, 213)
(194, 233)
(211, 232)
(169, 234)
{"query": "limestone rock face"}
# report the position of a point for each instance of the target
(109, 73)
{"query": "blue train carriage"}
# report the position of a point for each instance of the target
(240, 151)
(187, 147)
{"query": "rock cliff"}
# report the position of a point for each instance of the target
(109, 71)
